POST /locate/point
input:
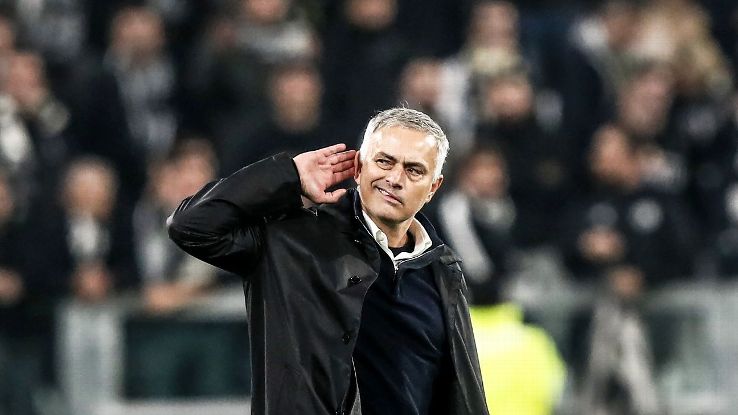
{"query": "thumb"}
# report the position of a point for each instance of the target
(332, 197)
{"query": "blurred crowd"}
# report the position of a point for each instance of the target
(603, 132)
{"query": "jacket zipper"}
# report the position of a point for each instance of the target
(402, 261)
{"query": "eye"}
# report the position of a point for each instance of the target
(414, 172)
(384, 163)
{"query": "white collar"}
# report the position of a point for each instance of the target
(422, 239)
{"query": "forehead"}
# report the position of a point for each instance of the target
(405, 144)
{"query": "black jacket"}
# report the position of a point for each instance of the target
(306, 272)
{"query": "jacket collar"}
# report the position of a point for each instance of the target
(348, 213)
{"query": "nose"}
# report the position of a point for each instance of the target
(394, 177)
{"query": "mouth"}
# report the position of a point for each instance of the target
(390, 197)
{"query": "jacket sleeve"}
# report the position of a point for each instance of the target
(222, 224)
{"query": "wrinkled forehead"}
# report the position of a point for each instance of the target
(404, 143)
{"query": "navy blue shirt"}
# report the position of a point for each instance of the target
(401, 346)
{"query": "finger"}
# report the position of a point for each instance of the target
(328, 151)
(338, 177)
(337, 168)
(343, 156)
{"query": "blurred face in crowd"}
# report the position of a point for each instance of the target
(265, 11)
(420, 83)
(90, 190)
(25, 81)
(194, 170)
(296, 96)
(137, 35)
(396, 176)
(484, 176)
(165, 188)
(508, 99)
(191, 168)
(644, 102)
(626, 282)
(373, 15)
(622, 22)
(494, 25)
(612, 158)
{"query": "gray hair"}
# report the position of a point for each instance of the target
(410, 119)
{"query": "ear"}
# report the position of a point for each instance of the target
(357, 167)
(434, 188)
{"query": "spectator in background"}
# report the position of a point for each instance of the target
(138, 60)
(701, 109)
(420, 86)
(274, 30)
(643, 111)
(170, 278)
(492, 39)
(77, 248)
(626, 221)
(223, 83)
(57, 30)
(537, 160)
(232, 65)
(23, 338)
(522, 370)
(720, 200)
(670, 27)
(363, 58)
(170, 362)
(494, 25)
(624, 238)
(601, 48)
(477, 218)
(184, 21)
(619, 374)
(35, 141)
(123, 111)
(87, 248)
(294, 124)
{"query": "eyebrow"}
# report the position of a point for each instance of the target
(393, 159)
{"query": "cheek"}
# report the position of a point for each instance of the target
(419, 196)
(371, 175)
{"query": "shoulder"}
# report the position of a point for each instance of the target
(450, 259)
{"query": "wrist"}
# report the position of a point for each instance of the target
(299, 178)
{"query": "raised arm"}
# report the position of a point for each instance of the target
(223, 223)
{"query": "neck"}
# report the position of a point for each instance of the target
(396, 237)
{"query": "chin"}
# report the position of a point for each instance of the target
(391, 217)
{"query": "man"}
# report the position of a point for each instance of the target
(355, 291)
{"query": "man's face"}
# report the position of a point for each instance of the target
(396, 178)
(296, 94)
(510, 99)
